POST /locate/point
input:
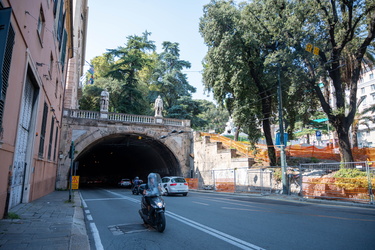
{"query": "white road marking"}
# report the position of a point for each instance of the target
(89, 217)
(220, 235)
(201, 203)
(96, 236)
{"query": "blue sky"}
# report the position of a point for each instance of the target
(112, 21)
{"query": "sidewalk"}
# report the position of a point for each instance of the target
(50, 222)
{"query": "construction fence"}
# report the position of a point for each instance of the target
(351, 182)
(298, 150)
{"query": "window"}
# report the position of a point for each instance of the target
(364, 102)
(371, 76)
(41, 24)
(373, 97)
(63, 51)
(43, 130)
(51, 139)
(50, 68)
(60, 25)
(54, 151)
(362, 90)
(54, 7)
(372, 87)
(56, 87)
(5, 70)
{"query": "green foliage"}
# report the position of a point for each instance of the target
(90, 99)
(248, 44)
(277, 174)
(186, 108)
(314, 160)
(168, 79)
(215, 117)
(12, 216)
(125, 66)
(352, 178)
(349, 173)
(240, 138)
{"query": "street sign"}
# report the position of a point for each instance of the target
(318, 135)
(309, 47)
(316, 51)
(75, 182)
(312, 49)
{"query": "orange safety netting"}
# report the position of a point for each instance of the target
(326, 153)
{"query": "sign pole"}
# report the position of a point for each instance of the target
(71, 156)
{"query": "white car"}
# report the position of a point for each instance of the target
(125, 183)
(175, 185)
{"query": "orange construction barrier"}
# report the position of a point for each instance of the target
(261, 153)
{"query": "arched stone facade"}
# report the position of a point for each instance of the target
(87, 132)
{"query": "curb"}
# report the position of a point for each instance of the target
(79, 238)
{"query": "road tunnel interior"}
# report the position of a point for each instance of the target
(110, 159)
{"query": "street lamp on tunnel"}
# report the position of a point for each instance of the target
(171, 133)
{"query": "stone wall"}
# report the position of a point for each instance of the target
(213, 156)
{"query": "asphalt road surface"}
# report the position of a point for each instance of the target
(220, 221)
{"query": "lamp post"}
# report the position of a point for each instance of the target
(171, 133)
(281, 129)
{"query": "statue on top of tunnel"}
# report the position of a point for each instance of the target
(158, 106)
(104, 101)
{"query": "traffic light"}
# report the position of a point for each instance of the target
(71, 151)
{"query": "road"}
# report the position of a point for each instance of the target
(221, 221)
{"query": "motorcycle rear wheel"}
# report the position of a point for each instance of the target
(160, 222)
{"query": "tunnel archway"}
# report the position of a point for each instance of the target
(116, 156)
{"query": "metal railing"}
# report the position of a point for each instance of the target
(260, 180)
(348, 182)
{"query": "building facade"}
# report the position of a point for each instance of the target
(366, 93)
(36, 44)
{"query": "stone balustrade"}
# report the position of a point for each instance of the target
(128, 118)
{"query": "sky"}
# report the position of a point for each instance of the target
(112, 21)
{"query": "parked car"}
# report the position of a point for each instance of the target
(175, 185)
(125, 183)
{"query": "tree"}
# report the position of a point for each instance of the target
(128, 62)
(215, 117)
(187, 108)
(168, 80)
(247, 44)
(241, 67)
(90, 99)
(342, 30)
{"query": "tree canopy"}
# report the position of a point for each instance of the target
(255, 46)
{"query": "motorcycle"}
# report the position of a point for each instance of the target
(152, 206)
(135, 189)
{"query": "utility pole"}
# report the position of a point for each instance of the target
(281, 129)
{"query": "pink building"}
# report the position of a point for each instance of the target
(36, 42)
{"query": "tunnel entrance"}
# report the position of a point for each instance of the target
(115, 157)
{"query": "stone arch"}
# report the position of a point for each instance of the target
(171, 153)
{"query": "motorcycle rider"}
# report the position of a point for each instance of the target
(153, 188)
(136, 182)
